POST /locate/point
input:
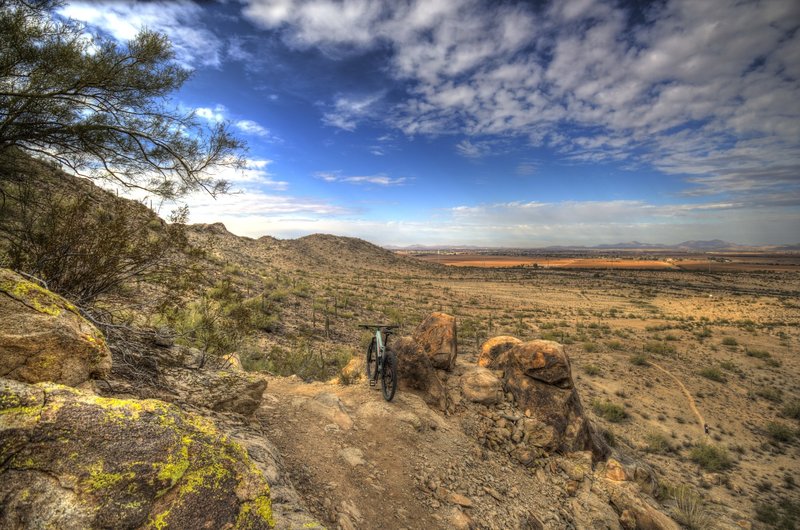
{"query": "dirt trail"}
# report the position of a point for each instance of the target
(361, 463)
(692, 405)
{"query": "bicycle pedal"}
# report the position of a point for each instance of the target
(373, 382)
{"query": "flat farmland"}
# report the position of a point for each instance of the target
(633, 261)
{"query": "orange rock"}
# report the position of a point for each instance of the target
(494, 348)
(436, 336)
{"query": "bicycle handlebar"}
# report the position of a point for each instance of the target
(382, 326)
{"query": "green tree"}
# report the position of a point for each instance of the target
(100, 108)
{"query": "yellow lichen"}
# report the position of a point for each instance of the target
(34, 296)
(174, 469)
(159, 522)
(99, 479)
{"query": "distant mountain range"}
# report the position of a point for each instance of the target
(713, 245)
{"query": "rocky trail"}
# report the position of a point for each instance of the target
(494, 442)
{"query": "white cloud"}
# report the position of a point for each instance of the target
(380, 179)
(215, 115)
(194, 44)
(348, 111)
(220, 113)
(516, 224)
(253, 176)
(707, 88)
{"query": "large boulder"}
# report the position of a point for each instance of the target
(494, 348)
(416, 371)
(480, 385)
(538, 374)
(75, 460)
(43, 337)
(436, 335)
(217, 390)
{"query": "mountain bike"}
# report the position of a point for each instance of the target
(382, 360)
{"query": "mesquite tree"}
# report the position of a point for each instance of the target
(100, 108)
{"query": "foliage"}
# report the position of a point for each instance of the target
(711, 457)
(659, 347)
(690, 509)
(222, 319)
(792, 409)
(639, 360)
(609, 411)
(785, 515)
(101, 108)
(592, 369)
(713, 373)
(780, 432)
(657, 443)
(82, 242)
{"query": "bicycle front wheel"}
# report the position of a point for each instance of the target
(372, 360)
(389, 379)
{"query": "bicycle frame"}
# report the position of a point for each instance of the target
(383, 358)
(381, 349)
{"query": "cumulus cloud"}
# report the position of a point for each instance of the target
(194, 44)
(706, 89)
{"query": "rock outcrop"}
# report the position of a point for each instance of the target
(436, 336)
(480, 385)
(43, 337)
(220, 390)
(416, 371)
(538, 375)
(494, 347)
(75, 460)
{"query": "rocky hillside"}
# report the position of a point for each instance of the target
(495, 442)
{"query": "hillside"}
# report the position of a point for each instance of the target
(653, 355)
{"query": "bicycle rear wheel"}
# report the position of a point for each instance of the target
(389, 379)
(372, 360)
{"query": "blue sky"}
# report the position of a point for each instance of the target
(493, 123)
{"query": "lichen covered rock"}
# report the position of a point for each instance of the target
(436, 336)
(44, 338)
(75, 460)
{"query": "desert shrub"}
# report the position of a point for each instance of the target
(758, 354)
(609, 411)
(614, 345)
(657, 443)
(690, 509)
(770, 393)
(83, 242)
(639, 360)
(711, 457)
(729, 341)
(590, 347)
(713, 373)
(780, 432)
(609, 437)
(592, 369)
(792, 409)
(784, 515)
(307, 361)
(661, 348)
